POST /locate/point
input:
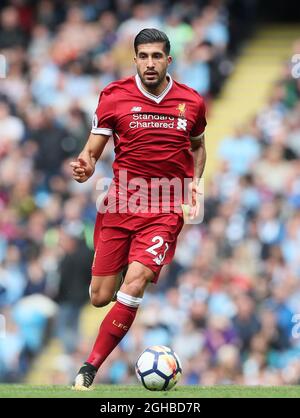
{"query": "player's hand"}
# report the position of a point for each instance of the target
(195, 192)
(83, 169)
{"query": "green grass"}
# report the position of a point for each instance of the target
(133, 391)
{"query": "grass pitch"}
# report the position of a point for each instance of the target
(134, 391)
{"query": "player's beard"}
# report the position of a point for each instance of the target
(152, 85)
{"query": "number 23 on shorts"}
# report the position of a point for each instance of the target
(162, 248)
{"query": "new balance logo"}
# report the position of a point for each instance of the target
(136, 109)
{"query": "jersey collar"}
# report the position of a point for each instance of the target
(156, 99)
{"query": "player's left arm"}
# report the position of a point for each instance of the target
(199, 155)
(197, 141)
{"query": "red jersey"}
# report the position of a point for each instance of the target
(151, 133)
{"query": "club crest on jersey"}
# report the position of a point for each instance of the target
(181, 121)
(181, 108)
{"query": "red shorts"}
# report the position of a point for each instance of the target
(120, 238)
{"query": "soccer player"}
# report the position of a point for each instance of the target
(157, 125)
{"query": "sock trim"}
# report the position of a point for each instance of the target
(128, 300)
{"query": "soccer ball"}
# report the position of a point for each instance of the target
(158, 368)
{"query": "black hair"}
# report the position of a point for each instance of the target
(149, 36)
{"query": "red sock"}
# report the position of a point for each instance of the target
(113, 328)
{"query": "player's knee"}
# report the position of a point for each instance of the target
(136, 284)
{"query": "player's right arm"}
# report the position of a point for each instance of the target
(84, 166)
(102, 129)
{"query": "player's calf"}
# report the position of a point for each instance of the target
(100, 300)
(102, 289)
(122, 276)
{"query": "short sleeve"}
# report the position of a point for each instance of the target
(200, 122)
(103, 120)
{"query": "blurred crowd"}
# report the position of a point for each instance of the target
(228, 300)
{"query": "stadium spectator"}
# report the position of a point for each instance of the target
(72, 294)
